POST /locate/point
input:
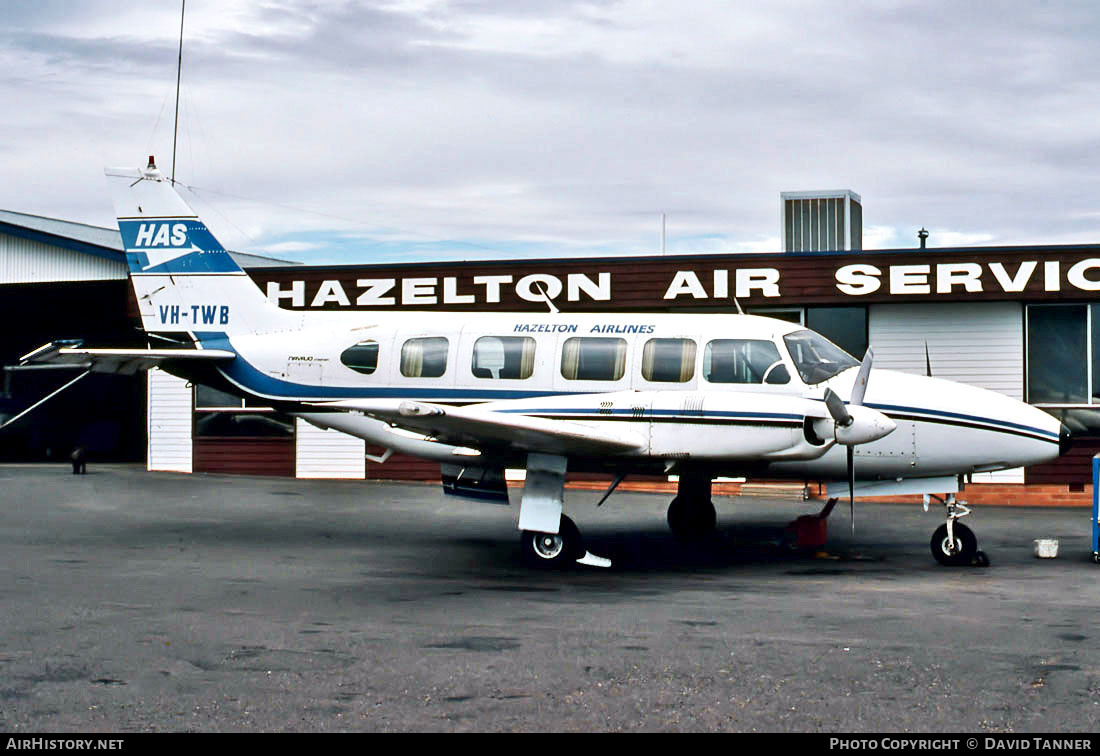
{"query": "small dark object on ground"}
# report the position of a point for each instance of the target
(80, 461)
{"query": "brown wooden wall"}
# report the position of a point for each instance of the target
(245, 456)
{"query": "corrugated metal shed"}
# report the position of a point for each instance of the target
(34, 249)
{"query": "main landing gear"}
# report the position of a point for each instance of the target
(550, 539)
(691, 514)
(553, 549)
(953, 544)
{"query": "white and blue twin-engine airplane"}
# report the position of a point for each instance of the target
(698, 396)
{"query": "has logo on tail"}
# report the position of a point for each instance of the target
(176, 245)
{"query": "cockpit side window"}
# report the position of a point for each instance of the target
(362, 357)
(744, 361)
(816, 358)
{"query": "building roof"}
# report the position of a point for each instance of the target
(79, 237)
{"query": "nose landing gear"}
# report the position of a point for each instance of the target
(954, 544)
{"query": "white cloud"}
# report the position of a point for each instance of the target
(882, 237)
(288, 247)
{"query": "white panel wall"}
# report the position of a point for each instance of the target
(26, 261)
(328, 453)
(169, 423)
(979, 343)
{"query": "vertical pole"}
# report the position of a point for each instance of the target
(179, 69)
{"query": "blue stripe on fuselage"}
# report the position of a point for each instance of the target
(887, 409)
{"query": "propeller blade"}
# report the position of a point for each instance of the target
(860, 387)
(852, 486)
(836, 408)
(859, 390)
(927, 361)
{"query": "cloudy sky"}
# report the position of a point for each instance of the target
(338, 132)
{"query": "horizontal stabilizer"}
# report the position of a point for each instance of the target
(477, 427)
(120, 361)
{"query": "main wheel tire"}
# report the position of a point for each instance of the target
(688, 519)
(966, 545)
(553, 550)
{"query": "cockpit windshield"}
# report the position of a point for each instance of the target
(816, 358)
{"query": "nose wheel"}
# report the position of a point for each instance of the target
(956, 551)
(954, 544)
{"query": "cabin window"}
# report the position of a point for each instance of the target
(593, 359)
(668, 360)
(744, 361)
(362, 358)
(425, 357)
(504, 357)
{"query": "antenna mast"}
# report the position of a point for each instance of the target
(179, 69)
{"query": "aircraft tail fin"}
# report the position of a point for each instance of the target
(183, 278)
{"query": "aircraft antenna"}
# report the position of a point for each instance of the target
(546, 298)
(179, 69)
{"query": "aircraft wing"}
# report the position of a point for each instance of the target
(477, 427)
(119, 361)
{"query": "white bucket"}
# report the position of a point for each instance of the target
(1046, 548)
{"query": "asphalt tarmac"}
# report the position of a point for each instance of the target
(135, 601)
